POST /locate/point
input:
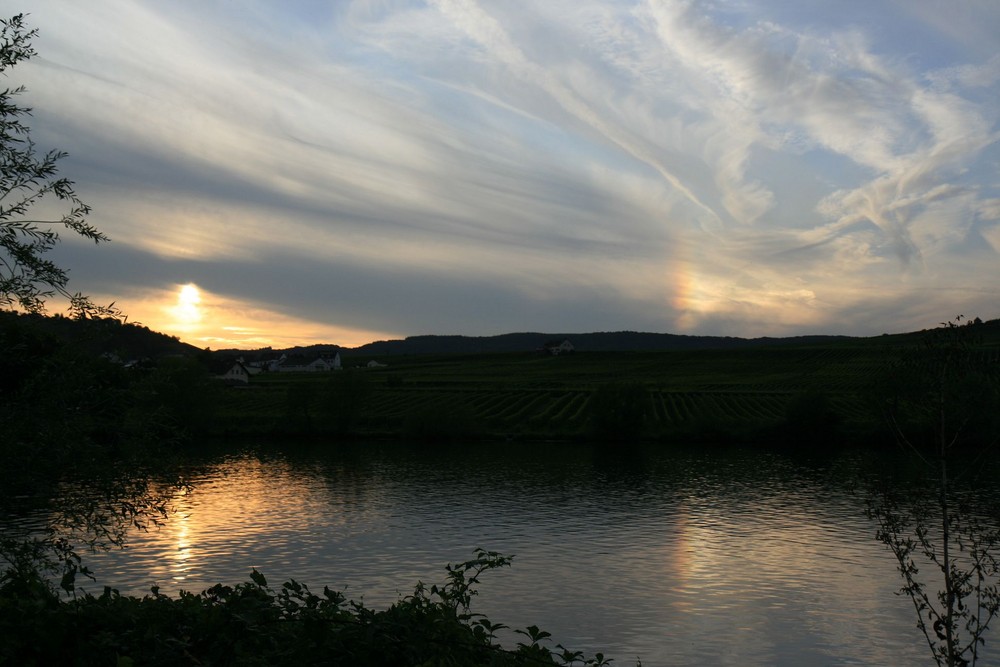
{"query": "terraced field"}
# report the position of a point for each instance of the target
(531, 395)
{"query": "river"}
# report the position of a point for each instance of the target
(676, 556)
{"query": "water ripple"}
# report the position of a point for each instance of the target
(680, 557)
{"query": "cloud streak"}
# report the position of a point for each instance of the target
(464, 166)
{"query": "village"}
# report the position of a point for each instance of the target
(242, 370)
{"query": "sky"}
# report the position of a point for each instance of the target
(279, 173)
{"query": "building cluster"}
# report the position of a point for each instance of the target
(241, 371)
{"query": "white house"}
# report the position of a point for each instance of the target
(274, 365)
(316, 366)
(555, 348)
(253, 367)
(321, 364)
(237, 373)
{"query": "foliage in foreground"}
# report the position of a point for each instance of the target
(27, 179)
(951, 543)
(943, 411)
(252, 624)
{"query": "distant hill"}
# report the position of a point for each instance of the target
(132, 341)
(614, 341)
(618, 341)
(632, 341)
(100, 336)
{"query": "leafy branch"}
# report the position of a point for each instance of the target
(250, 623)
(27, 179)
(943, 395)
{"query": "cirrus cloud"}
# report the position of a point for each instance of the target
(471, 166)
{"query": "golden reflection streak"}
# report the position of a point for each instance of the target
(724, 561)
(182, 554)
(240, 509)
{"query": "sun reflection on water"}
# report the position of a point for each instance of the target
(241, 513)
(683, 559)
(183, 552)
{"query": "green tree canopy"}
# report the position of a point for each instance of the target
(27, 178)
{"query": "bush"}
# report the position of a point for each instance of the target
(252, 624)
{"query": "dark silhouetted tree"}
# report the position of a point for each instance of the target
(27, 178)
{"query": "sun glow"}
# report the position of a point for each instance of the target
(204, 319)
(186, 313)
(187, 303)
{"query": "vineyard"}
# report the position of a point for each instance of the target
(530, 395)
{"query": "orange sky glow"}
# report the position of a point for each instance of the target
(203, 319)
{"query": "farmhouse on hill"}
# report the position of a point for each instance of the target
(557, 347)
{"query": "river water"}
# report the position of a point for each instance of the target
(675, 556)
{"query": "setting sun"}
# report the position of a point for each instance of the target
(187, 312)
(207, 319)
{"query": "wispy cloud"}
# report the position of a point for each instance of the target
(476, 167)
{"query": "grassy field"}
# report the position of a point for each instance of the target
(712, 394)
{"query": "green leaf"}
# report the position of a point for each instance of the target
(258, 578)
